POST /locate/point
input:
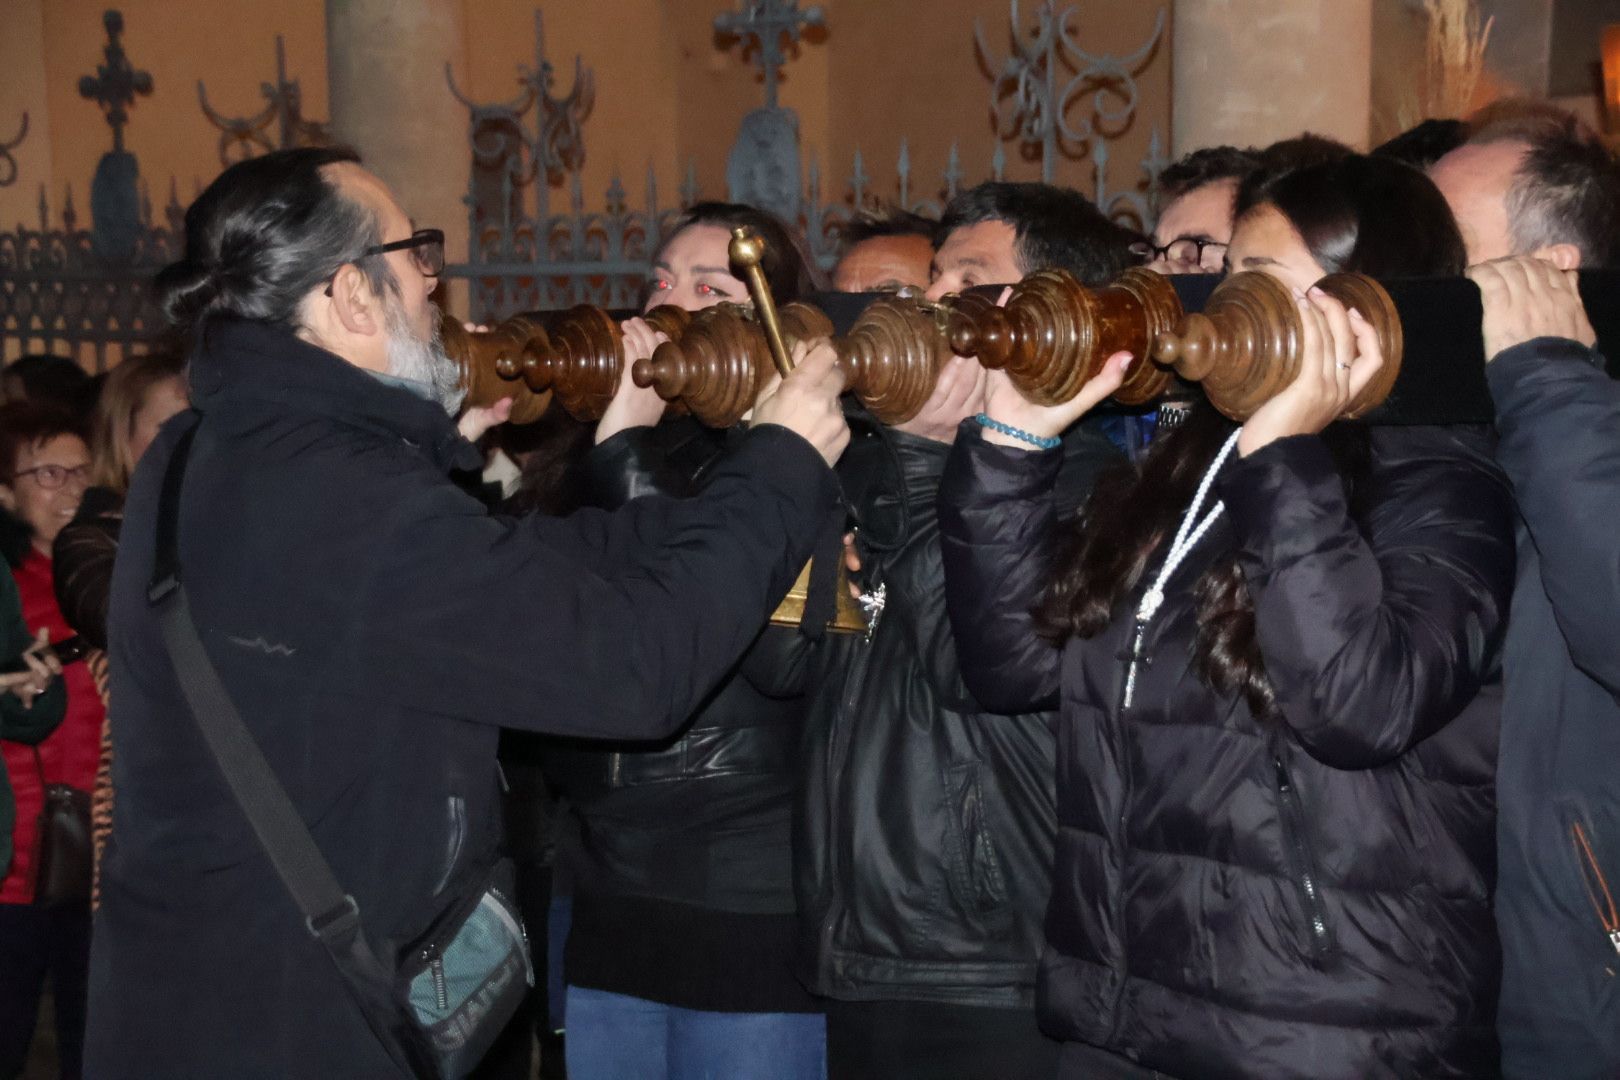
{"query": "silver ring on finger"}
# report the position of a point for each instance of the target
(1342, 366)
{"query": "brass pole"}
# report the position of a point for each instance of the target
(746, 250)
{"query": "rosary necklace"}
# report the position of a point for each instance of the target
(1187, 536)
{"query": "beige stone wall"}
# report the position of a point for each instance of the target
(1249, 72)
(666, 92)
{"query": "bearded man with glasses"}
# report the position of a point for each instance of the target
(373, 625)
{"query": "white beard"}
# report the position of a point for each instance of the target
(422, 360)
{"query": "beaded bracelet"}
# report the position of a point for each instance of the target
(1042, 442)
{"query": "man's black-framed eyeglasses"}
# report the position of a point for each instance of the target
(425, 245)
(1182, 251)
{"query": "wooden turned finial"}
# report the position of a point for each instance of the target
(1245, 346)
(716, 370)
(892, 357)
(1055, 334)
(482, 355)
(1368, 297)
(579, 354)
(975, 326)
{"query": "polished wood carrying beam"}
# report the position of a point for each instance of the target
(1237, 336)
(1051, 337)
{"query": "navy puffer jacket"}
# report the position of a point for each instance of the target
(1307, 896)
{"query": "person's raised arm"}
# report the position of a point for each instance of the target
(528, 624)
(1558, 417)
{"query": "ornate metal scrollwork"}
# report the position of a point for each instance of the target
(1035, 89)
(8, 164)
(245, 137)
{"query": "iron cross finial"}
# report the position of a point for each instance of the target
(116, 82)
(761, 26)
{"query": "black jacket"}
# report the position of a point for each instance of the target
(374, 623)
(1559, 779)
(679, 851)
(1307, 897)
(925, 847)
(701, 817)
(82, 561)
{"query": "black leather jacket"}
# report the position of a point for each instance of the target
(702, 818)
(924, 852)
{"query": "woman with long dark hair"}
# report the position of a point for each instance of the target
(678, 960)
(1275, 649)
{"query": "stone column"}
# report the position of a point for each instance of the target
(388, 98)
(1250, 72)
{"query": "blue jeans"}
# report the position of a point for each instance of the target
(615, 1037)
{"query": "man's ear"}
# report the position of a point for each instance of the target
(8, 498)
(1563, 256)
(357, 307)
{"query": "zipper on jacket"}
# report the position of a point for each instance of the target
(1597, 886)
(1135, 659)
(1305, 877)
(441, 988)
(837, 754)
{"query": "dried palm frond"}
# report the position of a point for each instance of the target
(1454, 61)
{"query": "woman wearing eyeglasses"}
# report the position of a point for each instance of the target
(44, 467)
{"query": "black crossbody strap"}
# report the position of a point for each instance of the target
(330, 914)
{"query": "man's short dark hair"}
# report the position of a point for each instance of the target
(1425, 144)
(1054, 228)
(876, 224)
(1567, 191)
(1209, 165)
(264, 234)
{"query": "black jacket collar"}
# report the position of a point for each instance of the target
(237, 361)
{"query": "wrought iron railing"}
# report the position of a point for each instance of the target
(59, 295)
(84, 291)
(1053, 100)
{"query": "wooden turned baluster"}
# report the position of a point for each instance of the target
(722, 363)
(669, 320)
(586, 359)
(717, 368)
(1131, 314)
(1368, 297)
(1240, 346)
(1245, 346)
(1055, 334)
(582, 355)
(482, 356)
(892, 358)
(975, 326)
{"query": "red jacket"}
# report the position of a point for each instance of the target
(70, 754)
